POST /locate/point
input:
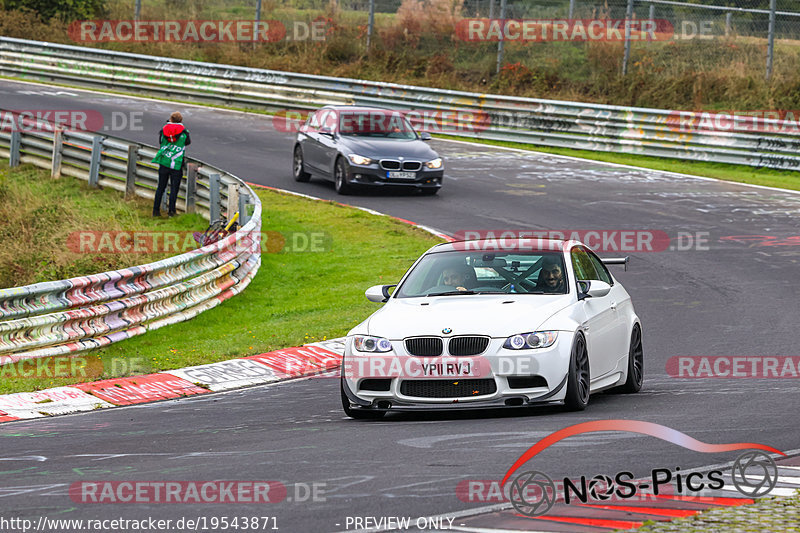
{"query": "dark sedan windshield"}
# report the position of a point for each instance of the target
(375, 123)
(463, 273)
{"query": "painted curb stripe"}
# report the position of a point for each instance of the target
(261, 369)
(49, 402)
(5, 417)
(226, 375)
(721, 501)
(596, 522)
(141, 389)
(646, 510)
(297, 362)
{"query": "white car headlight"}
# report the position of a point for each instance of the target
(359, 159)
(363, 343)
(435, 163)
(526, 341)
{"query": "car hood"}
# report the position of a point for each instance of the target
(493, 315)
(389, 148)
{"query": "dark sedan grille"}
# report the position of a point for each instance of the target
(407, 166)
(467, 345)
(425, 346)
(390, 164)
(447, 388)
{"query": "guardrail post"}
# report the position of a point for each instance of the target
(500, 41)
(58, 143)
(370, 23)
(130, 172)
(191, 188)
(16, 140)
(94, 163)
(233, 200)
(771, 38)
(213, 201)
(627, 53)
(244, 199)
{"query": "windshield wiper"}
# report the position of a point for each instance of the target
(451, 293)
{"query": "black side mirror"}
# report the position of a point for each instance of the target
(583, 289)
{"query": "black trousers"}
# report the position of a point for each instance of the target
(173, 175)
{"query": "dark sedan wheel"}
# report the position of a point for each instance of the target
(298, 167)
(578, 377)
(340, 177)
(635, 364)
(359, 414)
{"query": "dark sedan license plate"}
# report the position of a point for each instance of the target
(403, 175)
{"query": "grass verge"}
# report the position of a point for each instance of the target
(297, 296)
(44, 219)
(784, 179)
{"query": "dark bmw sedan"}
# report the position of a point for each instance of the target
(366, 147)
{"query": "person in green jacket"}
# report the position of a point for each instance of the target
(173, 139)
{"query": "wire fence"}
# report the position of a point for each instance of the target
(746, 37)
(744, 17)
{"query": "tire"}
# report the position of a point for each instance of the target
(340, 177)
(635, 364)
(298, 167)
(358, 414)
(578, 376)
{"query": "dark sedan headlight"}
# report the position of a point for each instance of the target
(364, 343)
(435, 164)
(359, 160)
(526, 341)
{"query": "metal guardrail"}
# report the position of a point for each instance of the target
(61, 317)
(595, 127)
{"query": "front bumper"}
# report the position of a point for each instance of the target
(506, 378)
(374, 176)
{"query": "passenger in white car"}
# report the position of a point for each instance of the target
(462, 277)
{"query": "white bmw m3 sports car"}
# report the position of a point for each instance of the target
(478, 324)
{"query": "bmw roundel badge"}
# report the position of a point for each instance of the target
(447, 331)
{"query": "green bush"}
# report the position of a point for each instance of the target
(65, 10)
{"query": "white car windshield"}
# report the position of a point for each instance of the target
(460, 273)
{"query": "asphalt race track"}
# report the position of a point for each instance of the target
(728, 298)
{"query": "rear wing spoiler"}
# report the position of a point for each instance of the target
(617, 261)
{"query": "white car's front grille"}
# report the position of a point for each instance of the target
(467, 345)
(457, 346)
(425, 346)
